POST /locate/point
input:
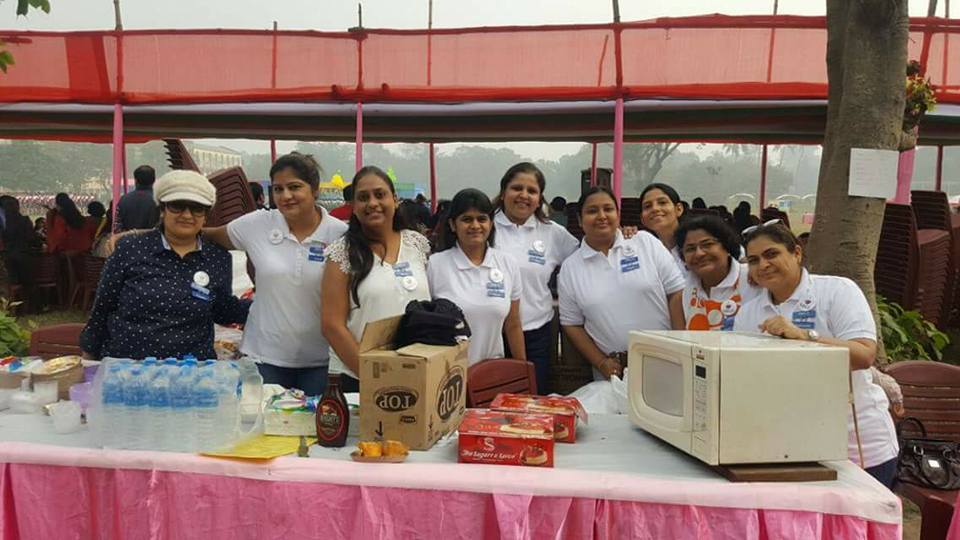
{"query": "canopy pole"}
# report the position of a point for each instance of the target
(593, 166)
(618, 150)
(359, 150)
(118, 159)
(273, 85)
(939, 185)
(763, 178)
(434, 192)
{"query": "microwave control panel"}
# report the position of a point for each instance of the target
(699, 396)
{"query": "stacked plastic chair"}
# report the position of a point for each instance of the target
(573, 220)
(932, 212)
(630, 209)
(895, 273)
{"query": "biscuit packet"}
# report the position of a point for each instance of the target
(502, 438)
(566, 411)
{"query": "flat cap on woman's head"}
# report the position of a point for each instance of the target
(185, 186)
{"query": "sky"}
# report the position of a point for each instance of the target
(341, 14)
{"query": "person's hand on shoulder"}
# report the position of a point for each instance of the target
(114, 238)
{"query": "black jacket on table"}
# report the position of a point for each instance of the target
(152, 302)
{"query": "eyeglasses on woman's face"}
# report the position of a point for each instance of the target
(179, 207)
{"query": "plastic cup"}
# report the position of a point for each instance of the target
(80, 394)
(46, 391)
(66, 416)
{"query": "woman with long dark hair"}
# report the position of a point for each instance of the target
(372, 272)
(66, 227)
(539, 246)
(660, 212)
(482, 280)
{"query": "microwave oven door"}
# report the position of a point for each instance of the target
(660, 387)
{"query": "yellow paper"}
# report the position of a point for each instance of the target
(263, 447)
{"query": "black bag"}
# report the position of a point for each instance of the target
(928, 463)
(433, 322)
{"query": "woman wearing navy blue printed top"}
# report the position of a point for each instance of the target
(161, 292)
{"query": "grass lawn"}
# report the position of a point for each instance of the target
(33, 320)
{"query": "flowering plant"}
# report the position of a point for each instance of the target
(920, 96)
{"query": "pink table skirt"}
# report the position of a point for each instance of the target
(954, 532)
(41, 501)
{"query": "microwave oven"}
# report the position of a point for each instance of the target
(736, 398)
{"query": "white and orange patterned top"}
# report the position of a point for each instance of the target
(718, 309)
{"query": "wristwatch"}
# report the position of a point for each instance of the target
(813, 335)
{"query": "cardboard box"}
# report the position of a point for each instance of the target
(502, 438)
(415, 394)
(566, 411)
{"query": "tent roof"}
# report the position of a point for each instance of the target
(712, 77)
(774, 122)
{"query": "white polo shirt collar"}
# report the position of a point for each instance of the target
(804, 291)
(588, 252)
(501, 218)
(463, 262)
(281, 225)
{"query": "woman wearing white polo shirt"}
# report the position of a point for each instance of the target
(830, 310)
(482, 280)
(717, 285)
(661, 213)
(539, 246)
(611, 286)
(375, 270)
(288, 248)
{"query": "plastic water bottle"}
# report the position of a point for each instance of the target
(135, 401)
(206, 402)
(159, 426)
(114, 417)
(251, 396)
(181, 407)
(228, 417)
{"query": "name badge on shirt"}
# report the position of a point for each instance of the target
(496, 290)
(402, 270)
(315, 254)
(200, 292)
(536, 257)
(629, 264)
(805, 319)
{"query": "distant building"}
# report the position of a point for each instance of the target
(211, 159)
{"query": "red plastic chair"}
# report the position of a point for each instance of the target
(56, 340)
(488, 378)
(931, 391)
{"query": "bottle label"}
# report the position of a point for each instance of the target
(330, 424)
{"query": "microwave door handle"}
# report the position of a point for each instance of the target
(690, 387)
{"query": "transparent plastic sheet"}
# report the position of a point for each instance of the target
(94, 412)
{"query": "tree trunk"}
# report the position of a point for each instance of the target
(866, 63)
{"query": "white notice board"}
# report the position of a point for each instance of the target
(873, 173)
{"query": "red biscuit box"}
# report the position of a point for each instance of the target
(500, 438)
(565, 410)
